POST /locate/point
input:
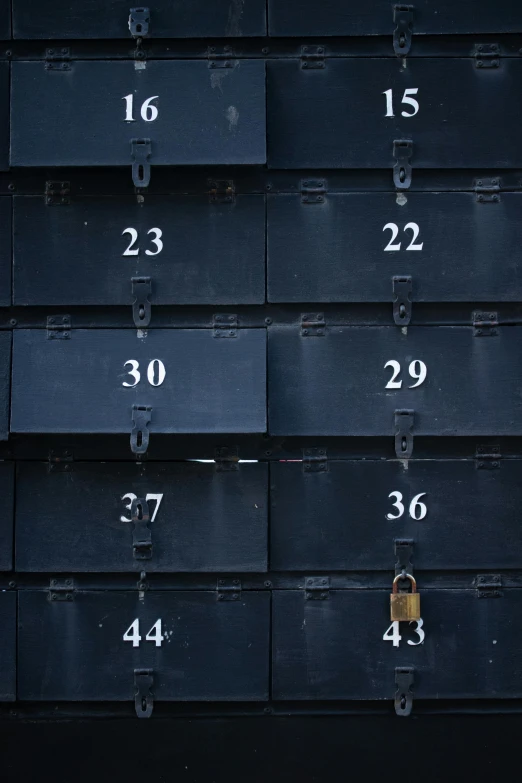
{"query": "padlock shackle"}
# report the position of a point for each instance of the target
(395, 586)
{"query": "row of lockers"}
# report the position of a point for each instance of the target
(301, 379)
(328, 515)
(319, 246)
(349, 113)
(242, 18)
(78, 645)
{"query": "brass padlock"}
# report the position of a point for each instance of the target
(404, 606)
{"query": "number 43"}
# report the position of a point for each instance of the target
(393, 635)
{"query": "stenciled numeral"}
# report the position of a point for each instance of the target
(417, 370)
(417, 509)
(130, 496)
(394, 228)
(405, 99)
(148, 111)
(133, 250)
(392, 633)
(132, 634)
(155, 372)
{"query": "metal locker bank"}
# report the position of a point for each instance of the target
(260, 390)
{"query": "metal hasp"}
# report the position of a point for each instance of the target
(317, 588)
(58, 327)
(61, 590)
(403, 18)
(139, 439)
(315, 460)
(404, 421)
(404, 681)
(141, 306)
(488, 457)
(485, 323)
(141, 532)
(403, 549)
(228, 589)
(402, 288)
(139, 22)
(313, 191)
(312, 57)
(487, 55)
(140, 153)
(489, 586)
(143, 696)
(402, 171)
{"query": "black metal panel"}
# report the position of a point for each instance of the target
(376, 17)
(7, 517)
(110, 18)
(458, 515)
(336, 250)
(4, 116)
(195, 252)
(204, 115)
(334, 649)
(211, 650)
(201, 518)
(5, 251)
(5, 377)
(7, 646)
(5, 21)
(336, 116)
(336, 384)
(211, 383)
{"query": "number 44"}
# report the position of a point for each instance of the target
(132, 634)
(393, 635)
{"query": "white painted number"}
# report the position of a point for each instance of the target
(148, 111)
(417, 370)
(156, 373)
(130, 496)
(405, 99)
(394, 228)
(417, 509)
(392, 633)
(132, 634)
(156, 241)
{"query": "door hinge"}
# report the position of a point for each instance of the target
(221, 58)
(57, 194)
(317, 588)
(226, 458)
(141, 532)
(485, 324)
(61, 590)
(489, 586)
(313, 191)
(313, 325)
(143, 696)
(60, 461)
(402, 170)
(57, 59)
(403, 549)
(58, 327)
(315, 460)
(402, 35)
(139, 438)
(221, 191)
(404, 682)
(404, 421)
(225, 324)
(487, 189)
(228, 589)
(487, 55)
(141, 151)
(312, 57)
(488, 457)
(139, 22)
(402, 306)
(141, 306)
